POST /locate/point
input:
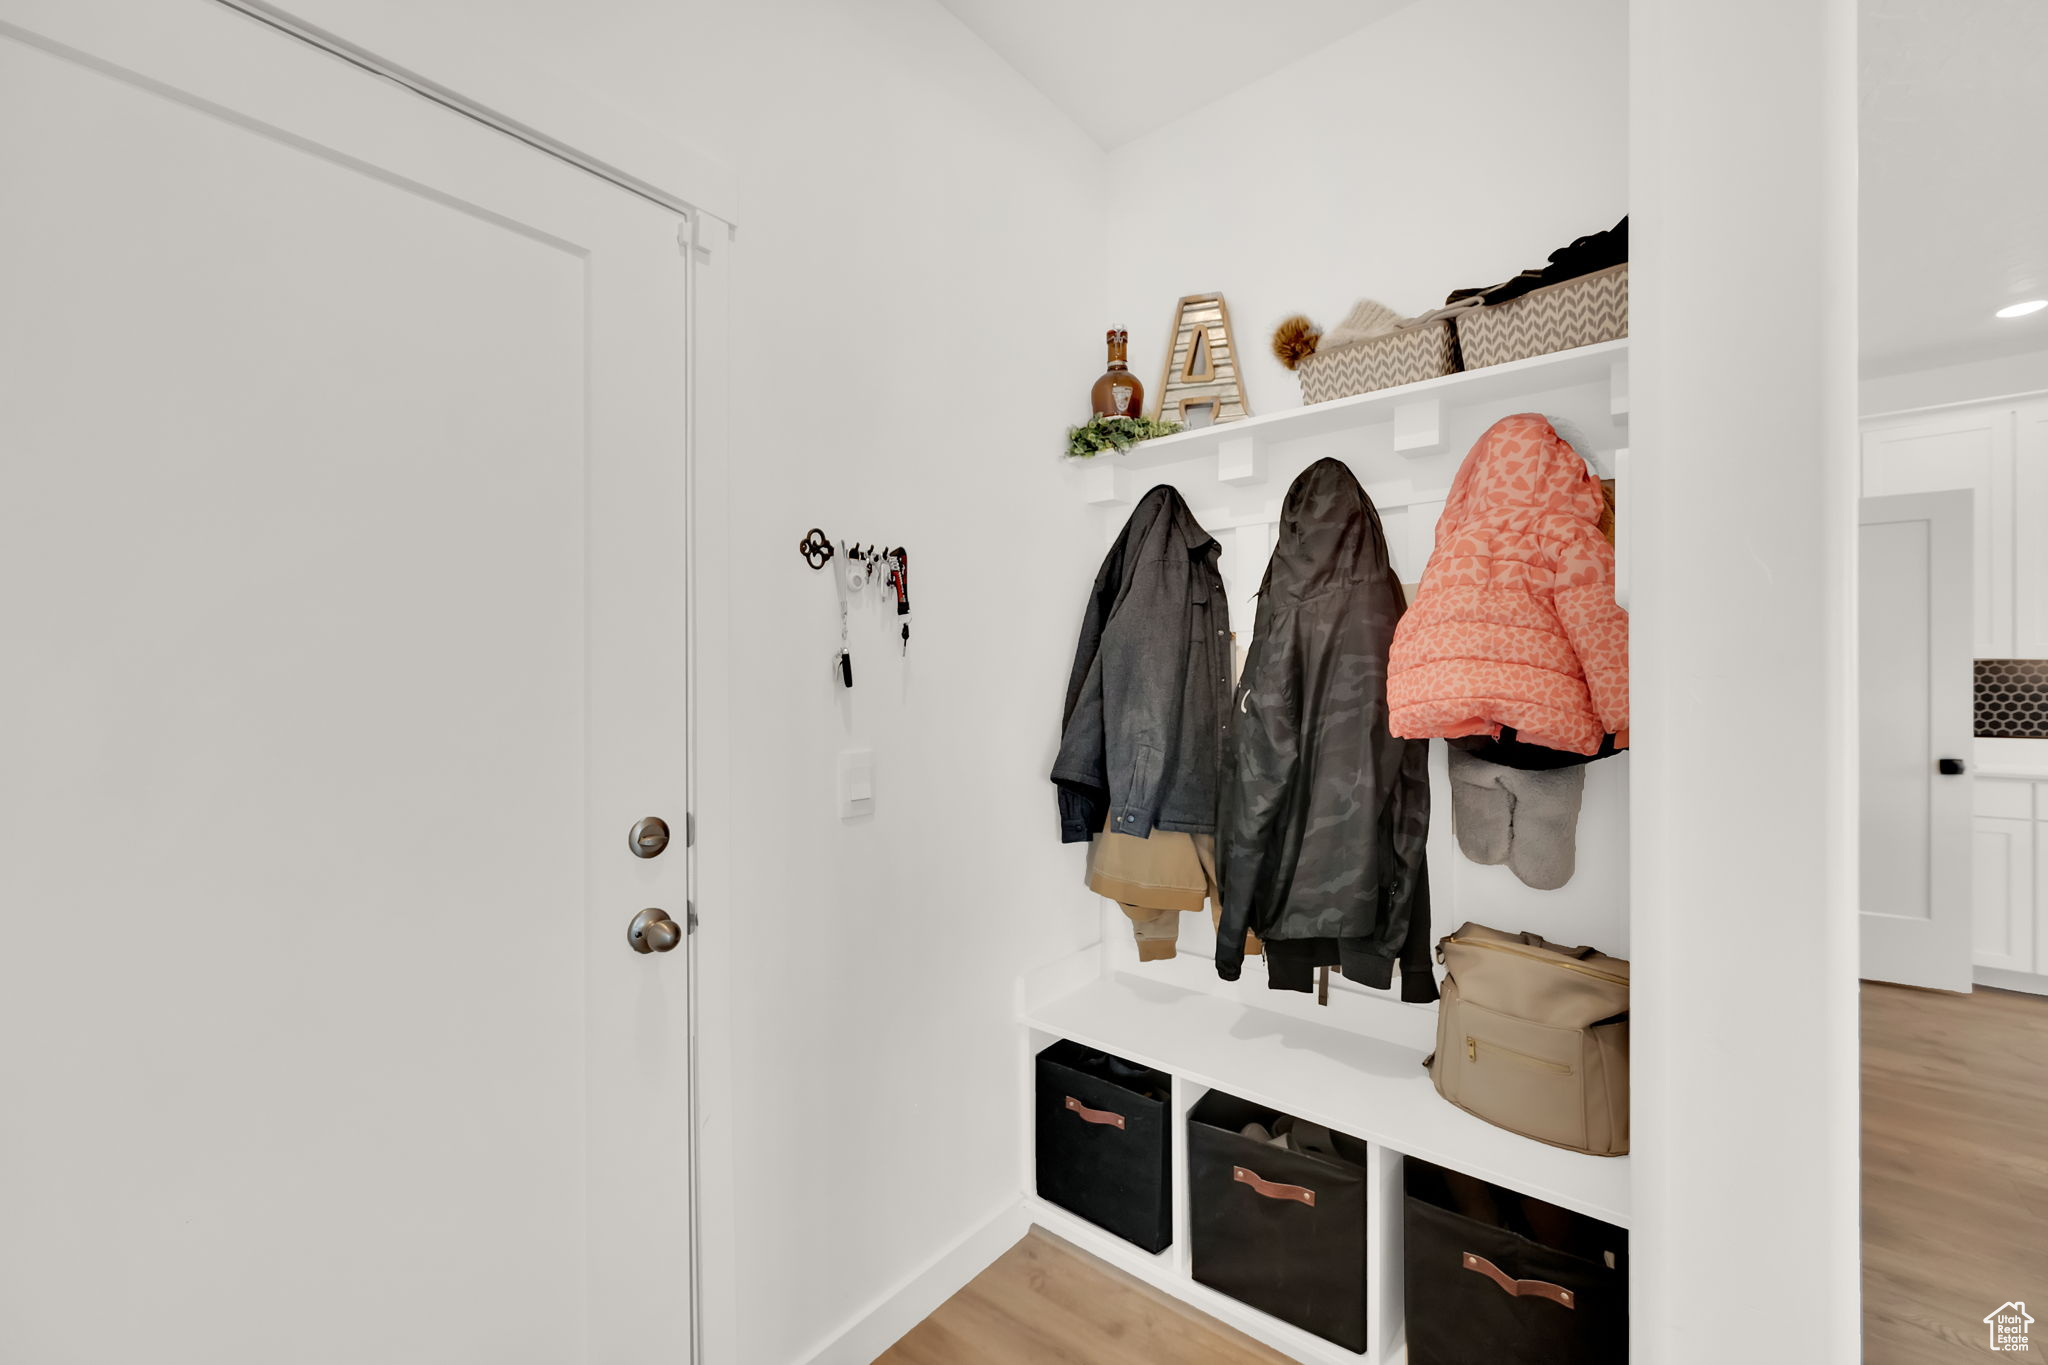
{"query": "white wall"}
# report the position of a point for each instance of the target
(918, 287)
(1962, 382)
(920, 269)
(1744, 993)
(1381, 168)
(1453, 143)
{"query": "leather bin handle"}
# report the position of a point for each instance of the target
(1087, 1115)
(1298, 1193)
(1520, 1289)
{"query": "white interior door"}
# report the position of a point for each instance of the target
(341, 592)
(1969, 448)
(1914, 623)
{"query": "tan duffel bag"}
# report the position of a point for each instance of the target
(1533, 1036)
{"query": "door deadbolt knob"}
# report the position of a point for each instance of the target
(648, 837)
(652, 931)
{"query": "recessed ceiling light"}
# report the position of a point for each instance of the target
(2020, 310)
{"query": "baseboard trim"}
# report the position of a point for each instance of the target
(2004, 980)
(882, 1324)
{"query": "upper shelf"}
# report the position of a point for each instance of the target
(1368, 1087)
(1415, 409)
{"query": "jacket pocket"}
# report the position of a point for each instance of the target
(1524, 1076)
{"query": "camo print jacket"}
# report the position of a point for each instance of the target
(1141, 740)
(1325, 814)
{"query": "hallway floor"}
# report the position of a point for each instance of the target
(1046, 1302)
(1955, 1169)
(1955, 1215)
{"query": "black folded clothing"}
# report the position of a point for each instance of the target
(1510, 751)
(1582, 257)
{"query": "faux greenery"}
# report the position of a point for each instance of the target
(1114, 433)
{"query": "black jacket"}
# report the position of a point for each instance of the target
(1142, 736)
(1325, 814)
(1584, 256)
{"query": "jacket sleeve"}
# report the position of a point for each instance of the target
(1078, 770)
(1144, 662)
(1411, 882)
(1265, 744)
(1596, 627)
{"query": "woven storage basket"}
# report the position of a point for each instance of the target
(1398, 357)
(1557, 317)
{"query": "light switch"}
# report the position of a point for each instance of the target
(856, 783)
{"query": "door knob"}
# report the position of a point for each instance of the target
(652, 931)
(1950, 767)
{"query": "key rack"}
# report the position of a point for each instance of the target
(862, 566)
(818, 549)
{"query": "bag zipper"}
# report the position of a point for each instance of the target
(1547, 959)
(1472, 1055)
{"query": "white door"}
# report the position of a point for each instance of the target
(341, 641)
(1914, 659)
(1969, 448)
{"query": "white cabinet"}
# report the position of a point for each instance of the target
(2030, 525)
(2009, 902)
(2002, 852)
(1967, 447)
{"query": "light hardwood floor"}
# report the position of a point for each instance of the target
(1046, 1302)
(1955, 1170)
(1955, 1215)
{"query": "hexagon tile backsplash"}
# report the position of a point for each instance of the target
(2012, 698)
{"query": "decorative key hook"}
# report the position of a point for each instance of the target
(861, 567)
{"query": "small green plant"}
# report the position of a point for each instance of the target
(1098, 434)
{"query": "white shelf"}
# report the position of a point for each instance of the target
(1416, 410)
(1356, 1084)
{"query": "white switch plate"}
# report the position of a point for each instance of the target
(856, 783)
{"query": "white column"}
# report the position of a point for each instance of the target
(1742, 187)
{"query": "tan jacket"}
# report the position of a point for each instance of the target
(1155, 879)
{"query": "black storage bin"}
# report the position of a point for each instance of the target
(1283, 1231)
(1105, 1145)
(1500, 1277)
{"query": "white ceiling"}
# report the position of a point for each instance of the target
(1125, 67)
(1954, 192)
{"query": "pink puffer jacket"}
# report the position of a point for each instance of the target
(1515, 622)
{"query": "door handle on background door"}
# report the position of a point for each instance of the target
(1950, 767)
(653, 931)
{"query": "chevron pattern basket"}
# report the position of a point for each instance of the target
(1381, 362)
(1557, 317)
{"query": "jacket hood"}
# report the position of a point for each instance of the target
(1163, 512)
(1329, 535)
(1521, 463)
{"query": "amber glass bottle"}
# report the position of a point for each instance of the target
(1118, 393)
